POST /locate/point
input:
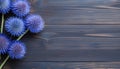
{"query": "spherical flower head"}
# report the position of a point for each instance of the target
(4, 6)
(20, 8)
(4, 44)
(15, 26)
(17, 50)
(34, 23)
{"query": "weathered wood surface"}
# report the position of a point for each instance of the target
(64, 65)
(79, 34)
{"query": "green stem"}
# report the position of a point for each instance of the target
(1, 66)
(22, 35)
(2, 24)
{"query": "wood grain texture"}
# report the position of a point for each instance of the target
(63, 65)
(79, 12)
(79, 34)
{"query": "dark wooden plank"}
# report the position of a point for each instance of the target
(82, 43)
(77, 17)
(73, 55)
(103, 31)
(80, 16)
(80, 2)
(62, 65)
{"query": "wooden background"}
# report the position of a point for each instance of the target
(79, 34)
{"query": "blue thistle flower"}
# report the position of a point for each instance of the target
(17, 50)
(15, 26)
(20, 8)
(4, 44)
(34, 23)
(4, 6)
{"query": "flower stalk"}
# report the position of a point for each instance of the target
(2, 23)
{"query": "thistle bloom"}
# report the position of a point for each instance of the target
(4, 6)
(34, 23)
(4, 44)
(17, 50)
(20, 8)
(15, 26)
